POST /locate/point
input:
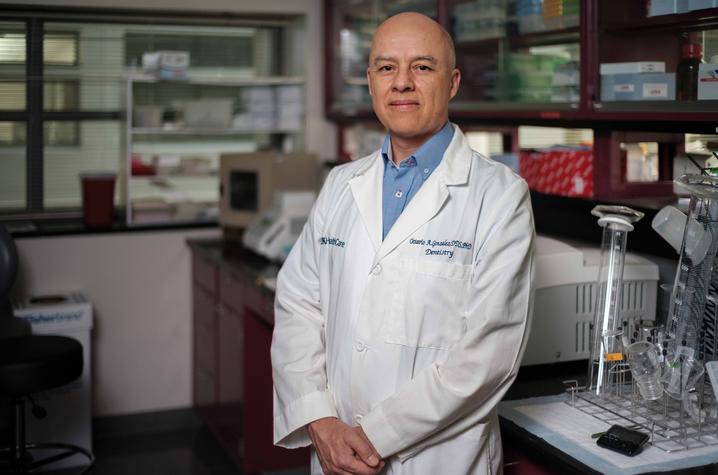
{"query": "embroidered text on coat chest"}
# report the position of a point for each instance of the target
(331, 241)
(444, 247)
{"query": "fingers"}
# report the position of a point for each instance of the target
(360, 444)
(342, 449)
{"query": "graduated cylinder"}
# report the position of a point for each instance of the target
(607, 361)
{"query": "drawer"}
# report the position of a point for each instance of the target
(204, 272)
(261, 302)
(205, 391)
(205, 346)
(232, 290)
(205, 324)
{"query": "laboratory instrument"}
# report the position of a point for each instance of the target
(564, 299)
(275, 230)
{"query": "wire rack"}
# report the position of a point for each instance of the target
(668, 421)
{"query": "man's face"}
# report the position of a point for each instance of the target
(411, 78)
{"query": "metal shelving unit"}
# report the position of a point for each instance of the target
(177, 139)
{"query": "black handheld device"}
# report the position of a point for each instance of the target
(622, 440)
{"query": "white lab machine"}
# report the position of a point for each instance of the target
(275, 230)
(565, 294)
(69, 407)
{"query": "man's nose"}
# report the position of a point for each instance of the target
(403, 81)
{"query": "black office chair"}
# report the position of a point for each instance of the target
(30, 364)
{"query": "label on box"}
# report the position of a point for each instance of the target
(623, 88)
(655, 90)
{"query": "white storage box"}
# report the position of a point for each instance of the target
(707, 82)
(209, 113)
(166, 64)
(633, 67)
(666, 7)
(638, 87)
(701, 4)
(69, 407)
(565, 292)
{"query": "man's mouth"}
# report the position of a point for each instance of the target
(403, 104)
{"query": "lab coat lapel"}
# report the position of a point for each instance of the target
(424, 206)
(453, 170)
(366, 189)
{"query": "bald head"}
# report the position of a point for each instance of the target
(416, 22)
(412, 77)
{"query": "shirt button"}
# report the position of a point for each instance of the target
(358, 418)
(376, 270)
(426, 170)
(360, 346)
(399, 194)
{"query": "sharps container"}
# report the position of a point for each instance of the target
(98, 199)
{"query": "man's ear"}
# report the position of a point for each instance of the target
(454, 83)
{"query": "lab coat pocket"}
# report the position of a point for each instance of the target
(429, 305)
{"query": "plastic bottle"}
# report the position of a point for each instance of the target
(687, 72)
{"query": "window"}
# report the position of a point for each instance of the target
(73, 119)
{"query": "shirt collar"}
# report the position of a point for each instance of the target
(429, 155)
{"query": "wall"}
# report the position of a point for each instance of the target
(140, 288)
(139, 283)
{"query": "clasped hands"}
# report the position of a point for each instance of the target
(343, 449)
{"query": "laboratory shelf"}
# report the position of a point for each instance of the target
(630, 17)
(608, 32)
(208, 131)
(220, 80)
(538, 38)
(213, 174)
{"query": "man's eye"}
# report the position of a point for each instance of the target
(423, 67)
(385, 68)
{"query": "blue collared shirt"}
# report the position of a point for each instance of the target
(402, 182)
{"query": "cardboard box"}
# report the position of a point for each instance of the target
(166, 64)
(707, 82)
(633, 67)
(638, 87)
(560, 171)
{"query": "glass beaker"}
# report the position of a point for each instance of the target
(681, 375)
(646, 369)
(605, 355)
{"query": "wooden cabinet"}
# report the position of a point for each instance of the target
(232, 368)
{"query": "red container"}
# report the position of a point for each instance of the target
(564, 172)
(98, 199)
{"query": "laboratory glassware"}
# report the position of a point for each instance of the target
(688, 320)
(607, 352)
(646, 369)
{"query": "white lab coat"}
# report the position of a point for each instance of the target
(417, 337)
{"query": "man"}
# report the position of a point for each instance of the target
(402, 311)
